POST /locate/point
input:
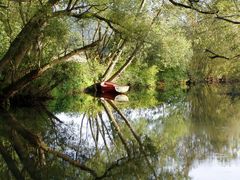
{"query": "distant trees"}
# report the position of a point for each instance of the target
(213, 29)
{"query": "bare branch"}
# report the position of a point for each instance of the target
(142, 5)
(215, 55)
(210, 12)
(192, 7)
(114, 59)
(227, 19)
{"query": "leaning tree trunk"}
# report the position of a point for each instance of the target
(21, 83)
(23, 42)
(126, 64)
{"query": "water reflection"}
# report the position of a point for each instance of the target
(168, 137)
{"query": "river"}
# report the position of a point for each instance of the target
(175, 134)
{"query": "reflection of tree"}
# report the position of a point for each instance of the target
(31, 159)
(214, 119)
(10, 162)
(107, 144)
(137, 138)
(112, 146)
(38, 150)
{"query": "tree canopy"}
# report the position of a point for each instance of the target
(169, 40)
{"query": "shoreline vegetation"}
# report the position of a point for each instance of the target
(53, 47)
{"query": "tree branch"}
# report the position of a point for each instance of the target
(192, 7)
(23, 41)
(21, 83)
(211, 12)
(215, 55)
(126, 64)
(87, 14)
(227, 20)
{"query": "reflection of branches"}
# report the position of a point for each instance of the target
(105, 127)
(50, 114)
(117, 163)
(126, 121)
(66, 158)
(80, 134)
(116, 126)
(91, 122)
(133, 132)
(121, 162)
(97, 133)
(10, 162)
(102, 132)
(18, 131)
(28, 163)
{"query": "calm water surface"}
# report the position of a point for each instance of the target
(175, 134)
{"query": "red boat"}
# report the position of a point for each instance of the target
(112, 87)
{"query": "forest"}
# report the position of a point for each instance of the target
(179, 57)
(73, 44)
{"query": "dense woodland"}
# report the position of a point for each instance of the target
(57, 48)
(73, 44)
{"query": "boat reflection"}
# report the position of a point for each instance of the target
(115, 97)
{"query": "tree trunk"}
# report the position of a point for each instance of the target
(113, 60)
(126, 64)
(12, 89)
(23, 42)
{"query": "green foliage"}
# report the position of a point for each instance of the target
(176, 48)
(4, 39)
(170, 51)
(173, 75)
(218, 37)
(55, 38)
(146, 77)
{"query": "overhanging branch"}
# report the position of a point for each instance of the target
(215, 55)
(192, 7)
(210, 12)
(21, 83)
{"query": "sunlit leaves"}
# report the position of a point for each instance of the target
(4, 39)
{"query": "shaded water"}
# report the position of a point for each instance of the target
(174, 134)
